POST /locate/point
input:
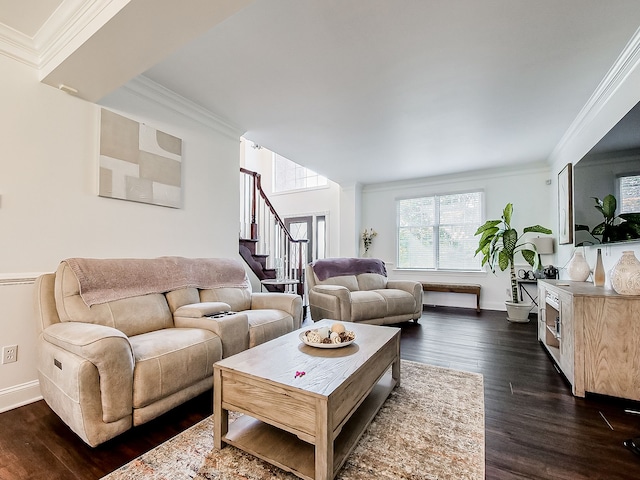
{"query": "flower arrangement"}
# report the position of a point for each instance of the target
(367, 238)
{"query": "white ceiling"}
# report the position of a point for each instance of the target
(372, 91)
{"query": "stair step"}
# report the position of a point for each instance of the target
(250, 244)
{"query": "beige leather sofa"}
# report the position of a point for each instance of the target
(357, 290)
(125, 340)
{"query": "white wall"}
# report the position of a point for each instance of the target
(526, 188)
(618, 93)
(49, 208)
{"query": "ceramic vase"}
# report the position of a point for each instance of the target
(598, 271)
(578, 268)
(625, 275)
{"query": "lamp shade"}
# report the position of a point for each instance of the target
(544, 245)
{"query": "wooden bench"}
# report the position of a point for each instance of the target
(470, 288)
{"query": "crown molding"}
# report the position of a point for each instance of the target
(626, 63)
(525, 169)
(146, 88)
(18, 46)
(67, 23)
(60, 29)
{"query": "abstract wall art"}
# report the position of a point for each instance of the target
(138, 162)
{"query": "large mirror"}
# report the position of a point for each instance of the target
(610, 172)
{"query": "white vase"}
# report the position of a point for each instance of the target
(625, 275)
(578, 268)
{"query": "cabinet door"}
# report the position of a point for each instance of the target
(567, 358)
(612, 347)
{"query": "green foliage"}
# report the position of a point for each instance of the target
(499, 243)
(625, 226)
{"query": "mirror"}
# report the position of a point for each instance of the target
(610, 171)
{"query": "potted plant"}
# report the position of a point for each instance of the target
(499, 244)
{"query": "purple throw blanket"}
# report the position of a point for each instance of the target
(336, 267)
(106, 280)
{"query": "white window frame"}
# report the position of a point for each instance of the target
(303, 172)
(436, 232)
(620, 194)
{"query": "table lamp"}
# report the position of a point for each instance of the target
(544, 246)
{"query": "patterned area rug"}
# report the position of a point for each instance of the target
(430, 427)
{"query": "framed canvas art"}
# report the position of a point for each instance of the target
(565, 206)
(138, 162)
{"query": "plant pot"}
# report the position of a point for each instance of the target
(518, 312)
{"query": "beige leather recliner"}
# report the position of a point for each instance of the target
(108, 366)
(357, 290)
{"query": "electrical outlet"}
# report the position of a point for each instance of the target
(10, 354)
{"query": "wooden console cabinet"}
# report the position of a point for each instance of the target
(593, 334)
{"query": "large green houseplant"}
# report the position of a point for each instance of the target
(499, 243)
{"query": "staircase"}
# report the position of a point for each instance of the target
(266, 245)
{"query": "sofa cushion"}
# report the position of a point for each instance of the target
(366, 305)
(399, 302)
(171, 359)
(267, 324)
(132, 316)
(371, 281)
(238, 298)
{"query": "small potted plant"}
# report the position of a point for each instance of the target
(367, 239)
(499, 244)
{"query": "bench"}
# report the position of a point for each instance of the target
(470, 288)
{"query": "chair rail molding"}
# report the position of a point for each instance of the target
(18, 278)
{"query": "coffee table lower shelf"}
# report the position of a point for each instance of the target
(292, 454)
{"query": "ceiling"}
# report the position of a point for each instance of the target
(371, 91)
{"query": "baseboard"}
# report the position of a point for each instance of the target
(19, 395)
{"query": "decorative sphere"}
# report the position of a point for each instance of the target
(337, 327)
(323, 332)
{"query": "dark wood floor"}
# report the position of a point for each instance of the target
(535, 428)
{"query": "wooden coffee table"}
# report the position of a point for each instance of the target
(306, 424)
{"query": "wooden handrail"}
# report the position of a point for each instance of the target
(257, 190)
(258, 186)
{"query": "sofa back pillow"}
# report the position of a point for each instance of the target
(238, 298)
(371, 281)
(132, 316)
(348, 281)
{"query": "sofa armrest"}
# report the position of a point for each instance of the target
(414, 288)
(110, 351)
(233, 329)
(203, 309)
(287, 302)
(407, 285)
(330, 301)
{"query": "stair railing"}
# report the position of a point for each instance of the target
(261, 223)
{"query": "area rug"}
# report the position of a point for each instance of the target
(430, 427)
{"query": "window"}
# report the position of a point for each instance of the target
(437, 232)
(629, 194)
(288, 176)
